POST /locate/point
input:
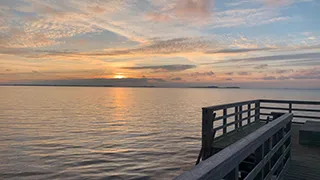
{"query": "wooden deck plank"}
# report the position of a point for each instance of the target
(305, 160)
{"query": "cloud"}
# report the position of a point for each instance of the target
(246, 17)
(176, 79)
(228, 79)
(302, 74)
(243, 73)
(261, 66)
(208, 73)
(101, 82)
(269, 78)
(194, 8)
(282, 71)
(96, 9)
(163, 68)
(158, 17)
(229, 73)
(234, 51)
(274, 3)
(308, 56)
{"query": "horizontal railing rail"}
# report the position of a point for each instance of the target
(269, 145)
(310, 110)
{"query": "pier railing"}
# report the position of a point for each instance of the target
(222, 119)
(302, 110)
(269, 146)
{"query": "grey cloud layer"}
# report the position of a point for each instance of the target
(174, 67)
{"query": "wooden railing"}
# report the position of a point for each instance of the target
(222, 119)
(269, 146)
(302, 110)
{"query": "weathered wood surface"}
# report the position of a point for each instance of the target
(305, 160)
(309, 133)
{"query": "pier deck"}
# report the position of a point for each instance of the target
(305, 160)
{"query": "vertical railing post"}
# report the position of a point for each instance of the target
(207, 131)
(259, 155)
(225, 121)
(257, 111)
(233, 175)
(236, 110)
(290, 107)
(240, 115)
(282, 134)
(249, 113)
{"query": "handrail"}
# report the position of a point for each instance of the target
(224, 106)
(290, 101)
(274, 136)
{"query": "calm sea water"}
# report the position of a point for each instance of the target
(108, 133)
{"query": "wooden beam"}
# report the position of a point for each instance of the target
(225, 121)
(207, 126)
(289, 101)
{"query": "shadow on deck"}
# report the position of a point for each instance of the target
(305, 160)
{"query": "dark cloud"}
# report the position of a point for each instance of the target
(102, 82)
(303, 74)
(269, 78)
(229, 73)
(232, 51)
(208, 73)
(8, 70)
(171, 68)
(228, 79)
(261, 66)
(176, 79)
(243, 73)
(308, 56)
(283, 78)
(282, 71)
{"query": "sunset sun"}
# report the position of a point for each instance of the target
(119, 76)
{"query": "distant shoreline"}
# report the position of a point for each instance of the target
(217, 87)
(191, 87)
(61, 85)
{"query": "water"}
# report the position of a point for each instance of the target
(108, 133)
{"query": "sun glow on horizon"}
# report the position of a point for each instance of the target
(119, 76)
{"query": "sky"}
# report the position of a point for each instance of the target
(247, 43)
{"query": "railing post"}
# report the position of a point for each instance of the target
(236, 110)
(207, 131)
(257, 111)
(225, 121)
(259, 155)
(249, 113)
(233, 175)
(290, 107)
(240, 115)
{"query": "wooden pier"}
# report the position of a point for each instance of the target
(259, 139)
